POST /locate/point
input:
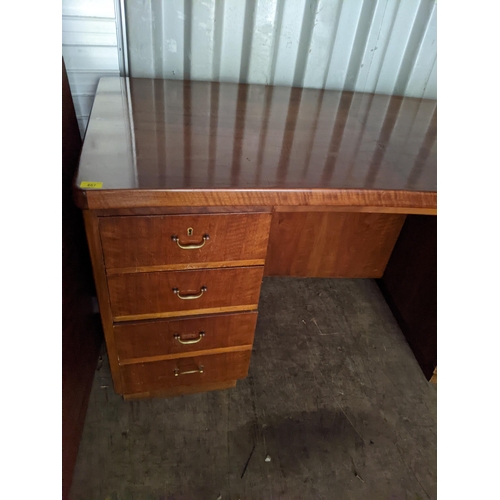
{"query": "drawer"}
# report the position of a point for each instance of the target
(197, 370)
(151, 295)
(144, 241)
(163, 337)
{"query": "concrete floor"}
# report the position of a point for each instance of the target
(334, 397)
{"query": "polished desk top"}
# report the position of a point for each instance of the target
(186, 143)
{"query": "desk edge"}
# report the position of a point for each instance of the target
(389, 201)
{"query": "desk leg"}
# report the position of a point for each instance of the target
(409, 287)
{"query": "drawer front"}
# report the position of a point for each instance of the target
(158, 375)
(142, 241)
(162, 337)
(150, 295)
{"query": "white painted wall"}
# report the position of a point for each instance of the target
(90, 50)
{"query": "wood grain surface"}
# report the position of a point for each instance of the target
(187, 266)
(167, 210)
(143, 241)
(410, 201)
(158, 375)
(187, 143)
(331, 244)
(99, 272)
(144, 294)
(154, 338)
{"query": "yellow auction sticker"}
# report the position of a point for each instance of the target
(94, 185)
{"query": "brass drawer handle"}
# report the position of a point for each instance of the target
(187, 342)
(203, 289)
(191, 246)
(198, 370)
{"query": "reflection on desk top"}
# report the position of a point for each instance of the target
(234, 144)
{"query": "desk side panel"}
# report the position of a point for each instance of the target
(409, 285)
(81, 335)
(331, 244)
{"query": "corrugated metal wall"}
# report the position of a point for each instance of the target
(381, 46)
(90, 50)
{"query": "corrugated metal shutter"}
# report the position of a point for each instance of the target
(381, 46)
(90, 50)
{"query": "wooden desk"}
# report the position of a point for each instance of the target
(198, 190)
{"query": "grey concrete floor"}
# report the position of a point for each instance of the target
(334, 397)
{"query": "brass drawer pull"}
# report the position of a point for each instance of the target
(187, 342)
(198, 370)
(191, 246)
(203, 289)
